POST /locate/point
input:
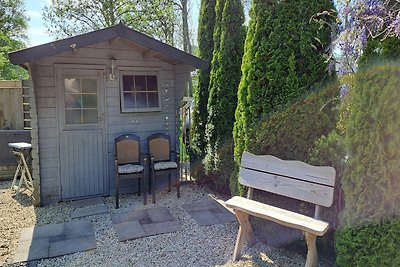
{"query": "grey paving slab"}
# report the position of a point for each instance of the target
(76, 229)
(71, 246)
(162, 227)
(86, 202)
(89, 211)
(54, 240)
(198, 206)
(137, 215)
(32, 250)
(145, 222)
(160, 214)
(225, 216)
(209, 212)
(48, 230)
(129, 230)
(205, 217)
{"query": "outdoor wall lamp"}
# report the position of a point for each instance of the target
(111, 75)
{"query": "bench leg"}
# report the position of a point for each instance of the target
(245, 232)
(312, 255)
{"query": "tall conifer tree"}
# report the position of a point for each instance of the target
(229, 35)
(206, 47)
(283, 59)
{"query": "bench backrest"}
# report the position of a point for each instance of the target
(293, 179)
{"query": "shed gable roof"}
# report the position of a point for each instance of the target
(117, 31)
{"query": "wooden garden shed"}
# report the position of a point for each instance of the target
(91, 88)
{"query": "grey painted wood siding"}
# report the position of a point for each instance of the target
(172, 80)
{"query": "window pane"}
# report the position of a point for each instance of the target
(152, 83)
(127, 83)
(141, 100)
(140, 83)
(129, 100)
(73, 101)
(72, 86)
(90, 116)
(73, 116)
(89, 86)
(153, 100)
(89, 101)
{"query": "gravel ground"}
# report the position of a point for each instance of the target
(194, 246)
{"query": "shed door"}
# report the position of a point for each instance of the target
(82, 137)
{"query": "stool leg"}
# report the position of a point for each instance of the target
(28, 182)
(16, 175)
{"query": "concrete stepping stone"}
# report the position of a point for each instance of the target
(145, 222)
(54, 240)
(209, 212)
(89, 211)
(86, 202)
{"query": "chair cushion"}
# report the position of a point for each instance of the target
(129, 168)
(164, 165)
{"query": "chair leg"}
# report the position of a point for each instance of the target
(139, 182)
(116, 191)
(154, 186)
(178, 186)
(169, 182)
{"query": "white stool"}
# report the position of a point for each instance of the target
(22, 152)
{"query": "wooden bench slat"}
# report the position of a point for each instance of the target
(317, 174)
(278, 215)
(298, 189)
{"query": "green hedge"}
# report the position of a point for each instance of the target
(224, 80)
(291, 133)
(370, 245)
(284, 57)
(371, 182)
(200, 94)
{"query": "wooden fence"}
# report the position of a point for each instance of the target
(14, 105)
(14, 121)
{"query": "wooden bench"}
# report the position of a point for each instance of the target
(292, 179)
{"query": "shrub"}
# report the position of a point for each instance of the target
(375, 244)
(330, 151)
(291, 133)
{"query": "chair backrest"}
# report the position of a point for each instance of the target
(159, 146)
(295, 179)
(127, 148)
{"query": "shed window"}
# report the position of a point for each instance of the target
(81, 101)
(139, 93)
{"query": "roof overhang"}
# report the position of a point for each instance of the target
(154, 47)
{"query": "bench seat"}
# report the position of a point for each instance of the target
(278, 215)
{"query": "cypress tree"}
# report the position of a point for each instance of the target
(283, 59)
(229, 34)
(206, 47)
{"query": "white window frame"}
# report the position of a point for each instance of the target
(121, 92)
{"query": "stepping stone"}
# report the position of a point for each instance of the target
(209, 212)
(86, 202)
(89, 211)
(54, 240)
(162, 227)
(69, 246)
(129, 230)
(145, 222)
